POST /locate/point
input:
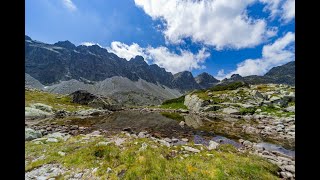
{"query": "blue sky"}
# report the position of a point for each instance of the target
(220, 37)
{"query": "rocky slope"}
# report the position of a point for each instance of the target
(284, 74)
(205, 80)
(63, 61)
(122, 90)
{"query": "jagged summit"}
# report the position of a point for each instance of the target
(65, 44)
(205, 80)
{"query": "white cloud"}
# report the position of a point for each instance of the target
(126, 51)
(283, 8)
(90, 44)
(220, 23)
(272, 6)
(276, 54)
(288, 10)
(172, 62)
(69, 5)
(221, 74)
(161, 56)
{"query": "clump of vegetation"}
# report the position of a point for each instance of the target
(245, 111)
(173, 115)
(275, 111)
(54, 100)
(231, 86)
(176, 103)
(154, 162)
(176, 100)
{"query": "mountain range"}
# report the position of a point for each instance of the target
(63, 67)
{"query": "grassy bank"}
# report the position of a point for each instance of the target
(55, 100)
(155, 162)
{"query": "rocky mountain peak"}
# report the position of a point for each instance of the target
(65, 44)
(185, 81)
(27, 38)
(138, 60)
(206, 80)
(235, 76)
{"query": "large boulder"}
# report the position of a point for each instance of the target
(85, 98)
(33, 113)
(30, 134)
(82, 97)
(275, 100)
(290, 109)
(229, 110)
(192, 120)
(256, 94)
(42, 107)
(194, 103)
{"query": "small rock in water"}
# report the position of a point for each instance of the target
(168, 140)
(142, 134)
(182, 123)
(174, 140)
(247, 143)
(127, 129)
(163, 142)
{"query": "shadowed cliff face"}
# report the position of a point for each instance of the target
(62, 61)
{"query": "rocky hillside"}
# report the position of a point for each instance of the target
(205, 80)
(284, 74)
(63, 61)
(120, 89)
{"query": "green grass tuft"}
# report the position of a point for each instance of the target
(55, 100)
(176, 103)
(155, 162)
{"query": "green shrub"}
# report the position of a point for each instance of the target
(244, 111)
(175, 116)
(231, 86)
(176, 100)
(176, 103)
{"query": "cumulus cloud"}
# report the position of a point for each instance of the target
(126, 51)
(90, 44)
(283, 8)
(288, 9)
(219, 23)
(273, 6)
(69, 5)
(276, 54)
(175, 63)
(162, 56)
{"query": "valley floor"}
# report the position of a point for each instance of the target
(70, 141)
